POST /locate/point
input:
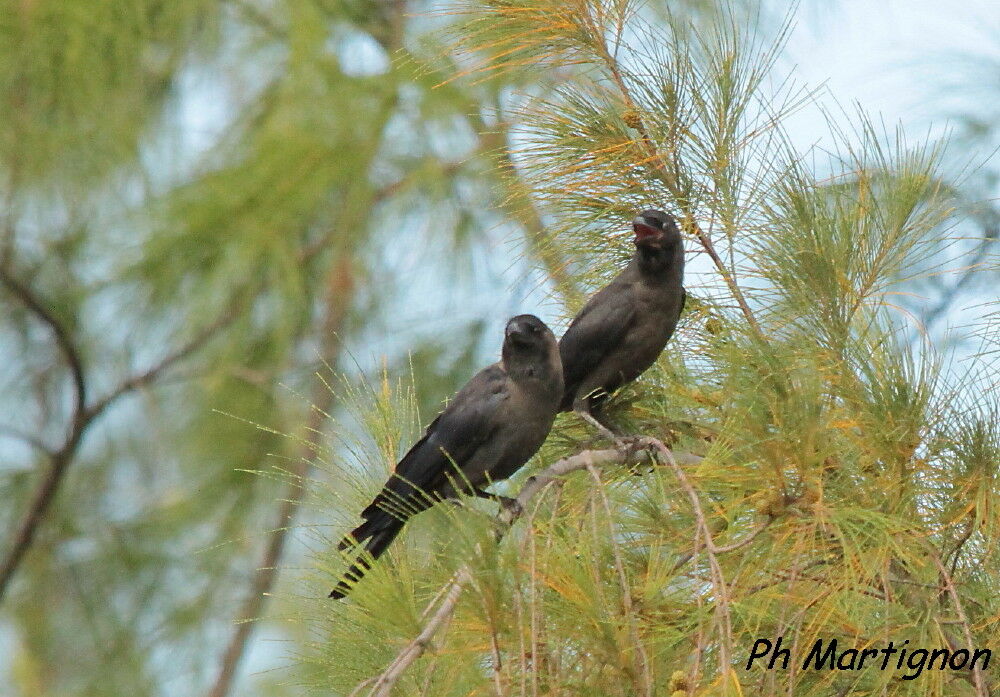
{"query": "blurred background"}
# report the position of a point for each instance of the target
(211, 212)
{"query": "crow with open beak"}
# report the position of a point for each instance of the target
(624, 327)
(486, 433)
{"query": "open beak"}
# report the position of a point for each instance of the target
(643, 230)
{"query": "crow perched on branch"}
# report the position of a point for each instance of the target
(488, 431)
(624, 327)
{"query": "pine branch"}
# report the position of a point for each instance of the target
(703, 535)
(384, 682)
(642, 657)
(655, 156)
(626, 451)
(949, 583)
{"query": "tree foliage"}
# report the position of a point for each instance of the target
(846, 481)
(246, 247)
(206, 205)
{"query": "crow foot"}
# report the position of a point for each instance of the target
(507, 504)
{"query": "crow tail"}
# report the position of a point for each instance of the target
(375, 534)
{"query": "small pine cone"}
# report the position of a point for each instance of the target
(773, 505)
(678, 683)
(632, 119)
(810, 496)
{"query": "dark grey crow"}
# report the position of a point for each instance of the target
(492, 427)
(623, 328)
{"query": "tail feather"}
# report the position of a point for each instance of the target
(375, 534)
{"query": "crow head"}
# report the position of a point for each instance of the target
(654, 228)
(657, 240)
(526, 333)
(530, 348)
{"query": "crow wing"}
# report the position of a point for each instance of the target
(596, 331)
(468, 421)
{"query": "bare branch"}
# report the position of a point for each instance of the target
(83, 415)
(60, 459)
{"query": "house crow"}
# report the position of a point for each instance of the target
(485, 434)
(623, 328)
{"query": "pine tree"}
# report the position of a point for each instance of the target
(810, 473)
(205, 206)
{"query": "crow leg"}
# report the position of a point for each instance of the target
(506, 502)
(630, 445)
(583, 412)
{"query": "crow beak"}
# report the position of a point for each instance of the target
(643, 230)
(520, 333)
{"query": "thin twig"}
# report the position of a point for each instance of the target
(151, 374)
(974, 266)
(33, 441)
(956, 553)
(949, 583)
(745, 541)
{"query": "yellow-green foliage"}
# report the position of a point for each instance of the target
(833, 448)
(80, 80)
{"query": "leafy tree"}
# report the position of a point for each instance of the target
(212, 208)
